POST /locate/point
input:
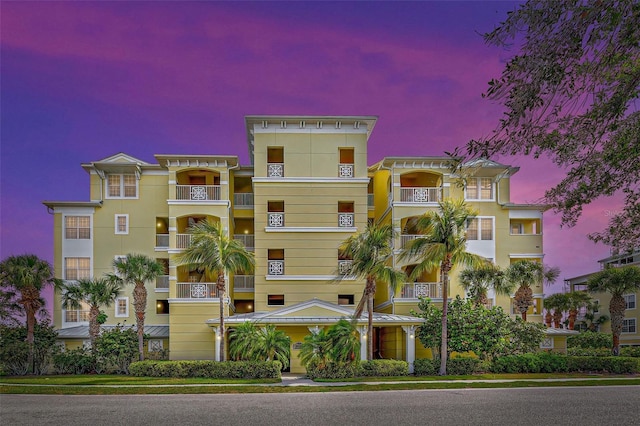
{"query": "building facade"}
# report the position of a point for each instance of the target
(307, 189)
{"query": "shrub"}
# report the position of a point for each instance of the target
(14, 350)
(426, 367)
(524, 363)
(578, 351)
(462, 366)
(74, 361)
(598, 364)
(383, 367)
(209, 369)
(116, 349)
(590, 340)
(331, 370)
(632, 351)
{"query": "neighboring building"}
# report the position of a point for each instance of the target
(630, 334)
(307, 190)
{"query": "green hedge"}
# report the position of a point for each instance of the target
(599, 364)
(554, 363)
(460, 366)
(210, 369)
(375, 368)
(625, 351)
(383, 368)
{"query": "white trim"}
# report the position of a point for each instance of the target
(185, 300)
(307, 278)
(126, 226)
(629, 321)
(526, 255)
(120, 315)
(478, 180)
(631, 296)
(349, 230)
(121, 196)
(199, 203)
(309, 180)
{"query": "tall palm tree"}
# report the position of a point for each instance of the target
(555, 304)
(96, 293)
(273, 345)
(28, 275)
(478, 281)
(576, 300)
(370, 251)
(345, 344)
(242, 341)
(137, 269)
(617, 282)
(524, 274)
(212, 249)
(442, 245)
(316, 349)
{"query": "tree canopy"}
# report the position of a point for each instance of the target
(570, 93)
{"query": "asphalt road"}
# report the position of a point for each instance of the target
(584, 406)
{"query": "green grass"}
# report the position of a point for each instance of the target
(110, 380)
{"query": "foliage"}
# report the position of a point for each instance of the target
(426, 366)
(524, 274)
(570, 93)
(459, 366)
(542, 362)
(210, 369)
(600, 364)
(339, 344)
(442, 245)
(14, 349)
(383, 368)
(332, 370)
(625, 351)
(74, 361)
(589, 339)
(10, 311)
(116, 349)
(555, 305)
(242, 340)
(478, 281)
(593, 319)
(315, 350)
(250, 343)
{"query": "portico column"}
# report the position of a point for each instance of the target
(410, 331)
(218, 339)
(363, 342)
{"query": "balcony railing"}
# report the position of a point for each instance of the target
(345, 220)
(162, 240)
(247, 239)
(183, 240)
(243, 283)
(344, 266)
(420, 195)
(405, 238)
(162, 282)
(415, 290)
(275, 169)
(76, 315)
(196, 291)
(275, 220)
(243, 199)
(198, 192)
(370, 200)
(275, 267)
(345, 170)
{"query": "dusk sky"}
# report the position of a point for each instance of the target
(81, 81)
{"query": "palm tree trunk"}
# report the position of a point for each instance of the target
(94, 327)
(221, 293)
(31, 322)
(616, 309)
(573, 314)
(140, 305)
(370, 326)
(446, 266)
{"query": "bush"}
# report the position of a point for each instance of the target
(590, 340)
(577, 351)
(14, 350)
(209, 369)
(74, 361)
(598, 364)
(426, 367)
(632, 351)
(383, 368)
(116, 349)
(332, 370)
(462, 366)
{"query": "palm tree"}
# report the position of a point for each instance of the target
(28, 275)
(558, 302)
(96, 293)
(617, 282)
(524, 274)
(137, 269)
(242, 341)
(370, 251)
(345, 344)
(213, 250)
(442, 244)
(478, 281)
(592, 319)
(576, 300)
(273, 345)
(315, 349)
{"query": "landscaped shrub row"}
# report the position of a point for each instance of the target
(209, 369)
(626, 351)
(455, 366)
(374, 368)
(553, 363)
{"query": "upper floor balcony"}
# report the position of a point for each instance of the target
(244, 283)
(196, 290)
(420, 194)
(162, 283)
(416, 290)
(198, 192)
(247, 239)
(243, 199)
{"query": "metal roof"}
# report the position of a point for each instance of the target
(82, 331)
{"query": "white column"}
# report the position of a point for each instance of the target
(363, 342)
(410, 332)
(217, 345)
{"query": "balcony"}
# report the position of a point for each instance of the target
(198, 192)
(76, 315)
(243, 199)
(420, 194)
(183, 240)
(162, 240)
(370, 203)
(415, 290)
(345, 220)
(196, 291)
(162, 283)
(275, 220)
(244, 283)
(275, 267)
(405, 238)
(345, 170)
(247, 239)
(275, 169)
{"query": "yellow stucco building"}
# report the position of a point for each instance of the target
(307, 189)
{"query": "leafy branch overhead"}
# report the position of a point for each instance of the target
(571, 93)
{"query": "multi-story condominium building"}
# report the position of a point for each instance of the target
(630, 335)
(308, 188)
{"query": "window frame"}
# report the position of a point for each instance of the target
(122, 186)
(77, 269)
(479, 228)
(280, 298)
(117, 306)
(478, 188)
(628, 300)
(78, 229)
(629, 323)
(117, 225)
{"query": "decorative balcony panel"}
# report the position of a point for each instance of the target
(247, 239)
(162, 240)
(196, 290)
(162, 282)
(344, 266)
(275, 267)
(275, 170)
(243, 199)
(405, 238)
(198, 192)
(183, 240)
(243, 283)
(76, 315)
(415, 290)
(275, 220)
(420, 195)
(345, 220)
(345, 170)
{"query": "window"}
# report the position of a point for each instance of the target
(629, 325)
(275, 300)
(156, 345)
(345, 299)
(345, 214)
(77, 227)
(275, 211)
(275, 262)
(122, 186)
(122, 224)
(517, 228)
(480, 229)
(162, 307)
(76, 268)
(345, 168)
(275, 161)
(122, 307)
(629, 301)
(479, 189)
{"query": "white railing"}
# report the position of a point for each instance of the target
(345, 170)
(344, 266)
(247, 239)
(405, 238)
(275, 267)
(198, 192)
(275, 169)
(196, 291)
(420, 195)
(243, 199)
(162, 282)
(370, 200)
(183, 240)
(275, 220)
(162, 240)
(76, 315)
(243, 282)
(415, 290)
(345, 220)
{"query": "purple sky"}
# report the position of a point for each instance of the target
(84, 80)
